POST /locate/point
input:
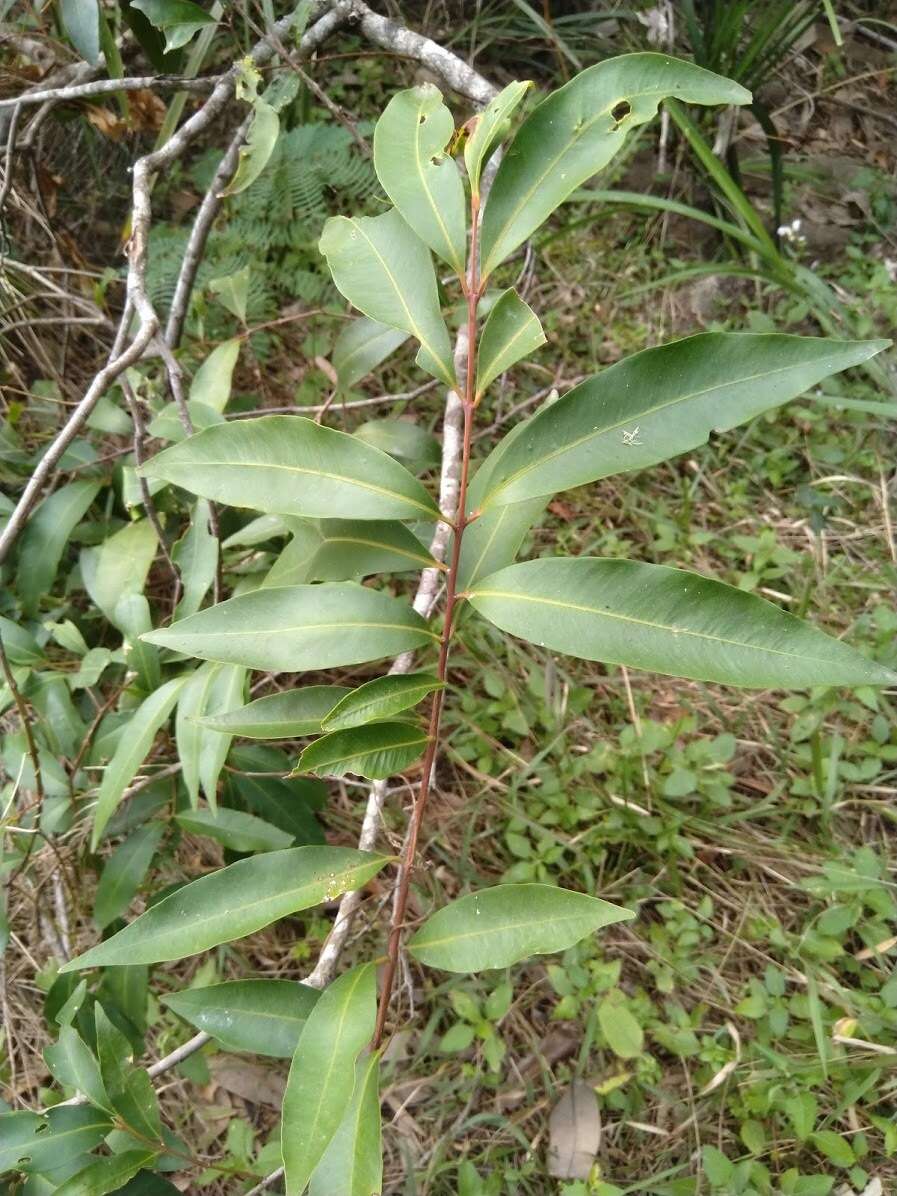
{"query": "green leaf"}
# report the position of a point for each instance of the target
(489, 130)
(623, 1033)
(232, 903)
(381, 698)
(657, 404)
(81, 19)
(294, 628)
(123, 873)
(196, 556)
(211, 384)
(179, 20)
(49, 1139)
(666, 621)
(361, 347)
(512, 331)
(287, 804)
(835, 1147)
(801, 1111)
(493, 540)
(118, 568)
(499, 926)
(403, 439)
(322, 1075)
(352, 1164)
(114, 1052)
(235, 829)
(421, 180)
(72, 1063)
(131, 751)
(386, 271)
(167, 425)
(718, 1169)
(376, 751)
(289, 465)
(108, 1174)
(286, 715)
(211, 689)
(260, 143)
(45, 538)
(576, 131)
(356, 548)
(264, 1017)
(232, 292)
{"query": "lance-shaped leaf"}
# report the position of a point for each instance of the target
(235, 829)
(196, 556)
(493, 540)
(49, 1139)
(119, 566)
(499, 926)
(489, 129)
(209, 690)
(293, 628)
(385, 270)
(124, 871)
(233, 902)
(577, 130)
(211, 384)
(420, 179)
(74, 1064)
(659, 403)
(376, 751)
(512, 331)
(262, 1016)
(289, 465)
(259, 147)
(131, 751)
(381, 698)
(355, 548)
(322, 1074)
(353, 1162)
(280, 716)
(668, 621)
(45, 539)
(360, 348)
(107, 1174)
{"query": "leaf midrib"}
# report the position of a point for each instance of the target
(452, 256)
(523, 925)
(307, 627)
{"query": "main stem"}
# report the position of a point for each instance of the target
(460, 521)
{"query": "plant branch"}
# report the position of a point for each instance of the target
(99, 87)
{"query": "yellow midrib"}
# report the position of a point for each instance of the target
(423, 182)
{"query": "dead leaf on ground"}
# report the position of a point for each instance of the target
(574, 1133)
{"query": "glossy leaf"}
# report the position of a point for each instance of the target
(657, 404)
(403, 439)
(212, 688)
(423, 182)
(289, 465)
(196, 556)
(107, 1174)
(179, 20)
(381, 698)
(131, 751)
(489, 130)
(357, 548)
(376, 751)
(293, 628)
(322, 1075)
(260, 143)
(211, 384)
(232, 903)
(352, 1164)
(385, 270)
(493, 540)
(361, 346)
(46, 536)
(287, 715)
(48, 1139)
(264, 1017)
(288, 804)
(511, 331)
(668, 621)
(118, 568)
(123, 873)
(73, 1064)
(576, 131)
(235, 829)
(502, 925)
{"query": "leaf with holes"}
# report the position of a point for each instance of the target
(232, 903)
(289, 465)
(422, 181)
(496, 927)
(576, 131)
(385, 270)
(667, 621)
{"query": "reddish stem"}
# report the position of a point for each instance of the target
(460, 521)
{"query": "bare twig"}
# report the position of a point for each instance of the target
(99, 87)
